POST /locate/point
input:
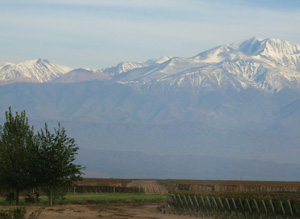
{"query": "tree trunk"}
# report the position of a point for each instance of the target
(51, 197)
(17, 196)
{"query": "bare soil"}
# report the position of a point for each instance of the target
(151, 187)
(98, 211)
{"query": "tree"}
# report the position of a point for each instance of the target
(16, 141)
(55, 155)
(28, 160)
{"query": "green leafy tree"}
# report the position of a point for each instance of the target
(28, 160)
(55, 155)
(16, 141)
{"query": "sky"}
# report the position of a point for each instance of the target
(103, 33)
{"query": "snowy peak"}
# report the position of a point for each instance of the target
(282, 53)
(276, 52)
(127, 66)
(122, 68)
(159, 60)
(256, 46)
(280, 47)
(250, 47)
(214, 55)
(40, 70)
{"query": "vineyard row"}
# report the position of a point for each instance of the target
(198, 205)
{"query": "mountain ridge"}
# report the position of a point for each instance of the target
(267, 64)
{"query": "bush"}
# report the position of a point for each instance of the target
(32, 197)
(16, 213)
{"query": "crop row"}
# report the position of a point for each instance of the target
(232, 207)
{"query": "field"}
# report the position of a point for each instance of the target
(185, 197)
(98, 198)
(198, 185)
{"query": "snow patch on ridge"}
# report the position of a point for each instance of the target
(159, 60)
(214, 55)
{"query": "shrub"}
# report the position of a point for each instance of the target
(32, 197)
(16, 213)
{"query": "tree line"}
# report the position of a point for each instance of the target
(29, 160)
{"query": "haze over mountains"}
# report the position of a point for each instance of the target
(224, 113)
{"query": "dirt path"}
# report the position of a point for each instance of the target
(64, 212)
(150, 186)
(97, 211)
(146, 212)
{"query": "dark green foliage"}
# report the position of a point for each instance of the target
(16, 213)
(16, 141)
(28, 161)
(55, 155)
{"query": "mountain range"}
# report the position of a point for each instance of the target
(269, 64)
(232, 105)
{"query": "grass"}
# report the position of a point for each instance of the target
(104, 197)
(100, 197)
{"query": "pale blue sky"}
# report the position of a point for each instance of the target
(101, 33)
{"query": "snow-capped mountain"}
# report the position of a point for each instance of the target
(269, 64)
(40, 70)
(278, 52)
(266, 64)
